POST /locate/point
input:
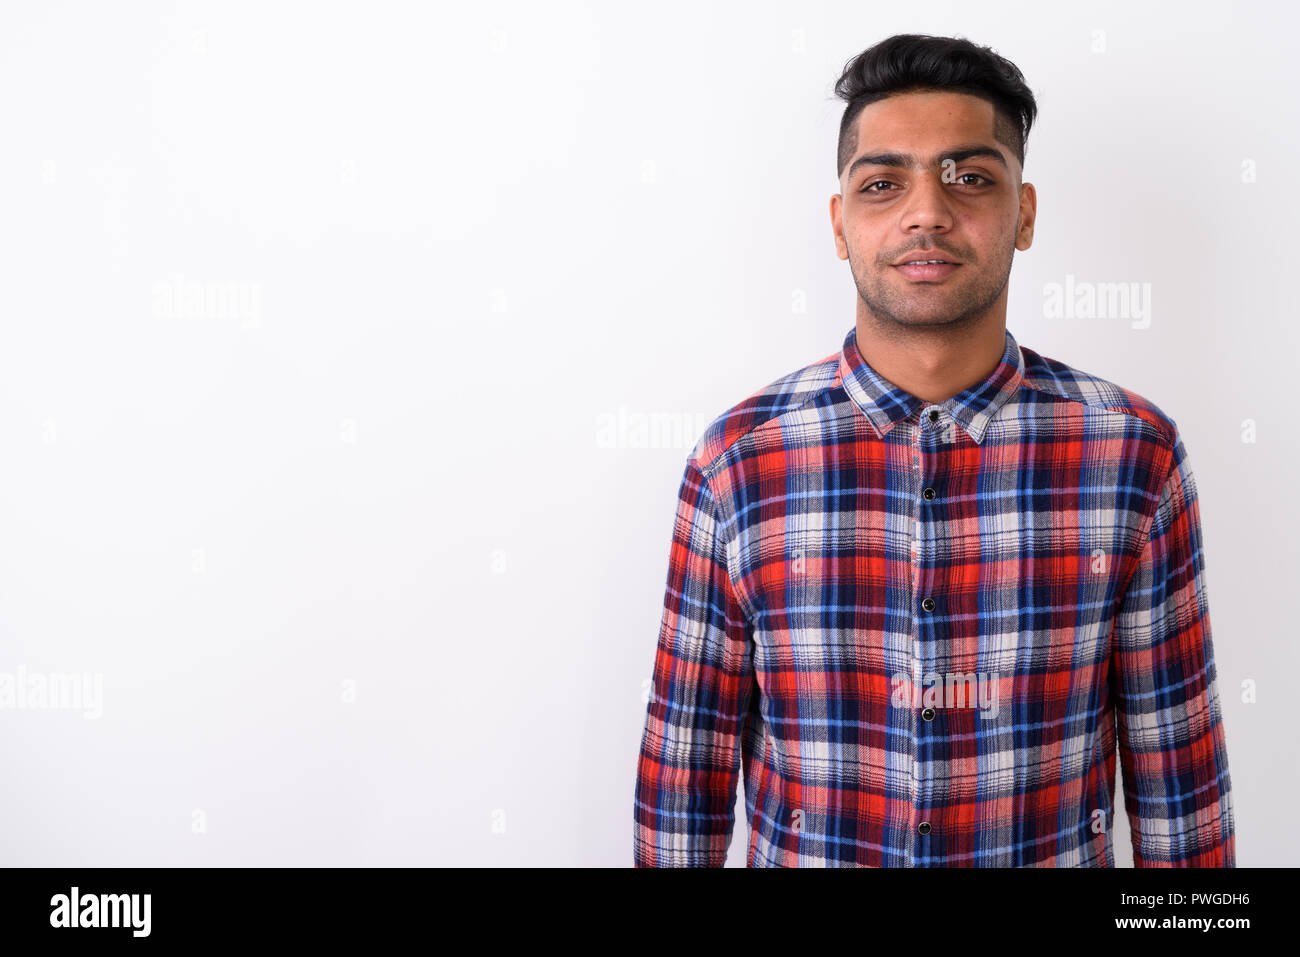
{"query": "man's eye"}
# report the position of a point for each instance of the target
(870, 187)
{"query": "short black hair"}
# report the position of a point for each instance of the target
(911, 62)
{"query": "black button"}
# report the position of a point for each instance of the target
(928, 714)
(929, 494)
(924, 827)
(928, 604)
(934, 415)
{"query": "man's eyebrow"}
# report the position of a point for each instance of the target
(904, 160)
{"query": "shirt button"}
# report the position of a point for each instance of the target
(934, 415)
(928, 604)
(928, 714)
(924, 827)
(929, 494)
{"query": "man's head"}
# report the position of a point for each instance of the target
(930, 162)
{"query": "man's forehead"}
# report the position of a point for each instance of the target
(936, 112)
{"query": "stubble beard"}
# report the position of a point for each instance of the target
(951, 311)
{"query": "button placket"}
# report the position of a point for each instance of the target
(928, 604)
(915, 429)
(918, 477)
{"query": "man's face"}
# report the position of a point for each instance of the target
(906, 203)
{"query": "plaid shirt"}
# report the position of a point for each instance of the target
(923, 629)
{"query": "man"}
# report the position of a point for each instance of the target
(923, 589)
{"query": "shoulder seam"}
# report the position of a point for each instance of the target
(708, 467)
(1155, 422)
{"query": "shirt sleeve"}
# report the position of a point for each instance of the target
(1177, 792)
(688, 768)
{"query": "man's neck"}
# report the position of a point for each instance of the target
(933, 363)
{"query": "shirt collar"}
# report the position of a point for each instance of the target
(885, 404)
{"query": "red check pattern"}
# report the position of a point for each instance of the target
(923, 631)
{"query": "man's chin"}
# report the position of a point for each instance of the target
(925, 317)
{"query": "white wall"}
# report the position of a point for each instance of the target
(340, 538)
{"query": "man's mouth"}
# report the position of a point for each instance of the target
(927, 270)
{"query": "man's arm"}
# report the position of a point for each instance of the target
(1177, 792)
(703, 679)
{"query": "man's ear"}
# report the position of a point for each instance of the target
(837, 225)
(1028, 212)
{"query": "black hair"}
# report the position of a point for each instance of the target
(910, 62)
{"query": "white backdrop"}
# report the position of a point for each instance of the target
(328, 329)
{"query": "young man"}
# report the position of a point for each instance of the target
(924, 588)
